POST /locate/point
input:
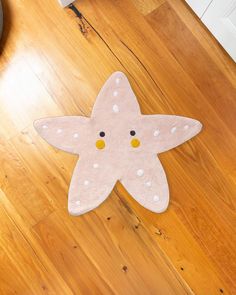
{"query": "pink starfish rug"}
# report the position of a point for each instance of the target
(117, 143)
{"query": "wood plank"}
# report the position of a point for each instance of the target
(7, 285)
(194, 59)
(49, 168)
(209, 43)
(172, 236)
(112, 245)
(66, 254)
(146, 7)
(32, 204)
(30, 276)
(212, 82)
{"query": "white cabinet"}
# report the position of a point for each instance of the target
(220, 18)
(199, 7)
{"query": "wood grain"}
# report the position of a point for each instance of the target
(175, 66)
(22, 271)
(146, 7)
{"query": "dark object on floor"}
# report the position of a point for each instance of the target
(1, 19)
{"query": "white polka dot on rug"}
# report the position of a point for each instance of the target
(77, 202)
(173, 129)
(140, 172)
(156, 198)
(86, 182)
(76, 135)
(186, 127)
(115, 108)
(95, 165)
(156, 132)
(59, 131)
(115, 93)
(117, 80)
(45, 126)
(148, 183)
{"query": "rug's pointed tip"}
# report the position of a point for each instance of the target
(158, 206)
(36, 124)
(74, 211)
(162, 208)
(199, 126)
(40, 125)
(118, 74)
(163, 205)
(77, 209)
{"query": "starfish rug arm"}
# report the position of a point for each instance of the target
(115, 98)
(165, 132)
(146, 181)
(66, 133)
(91, 184)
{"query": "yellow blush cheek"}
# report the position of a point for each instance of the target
(100, 144)
(135, 143)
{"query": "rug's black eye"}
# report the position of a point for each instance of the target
(102, 133)
(132, 133)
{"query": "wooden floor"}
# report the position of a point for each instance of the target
(51, 65)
